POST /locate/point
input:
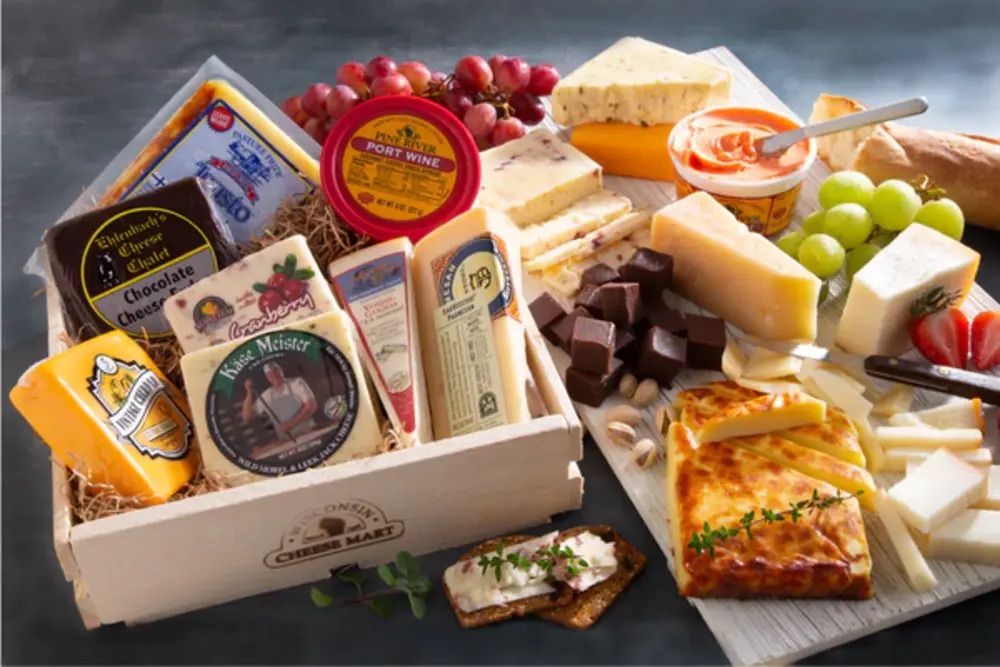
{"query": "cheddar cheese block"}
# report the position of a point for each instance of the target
(822, 554)
(737, 274)
(627, 150)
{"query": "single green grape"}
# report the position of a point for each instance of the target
(894, 204)
(813, 224)
(850, 224)
(943, 215)
(858, 257)
(821, 254)
(790, 242)
(846, 187)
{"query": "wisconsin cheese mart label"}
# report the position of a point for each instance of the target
(478, 265)
(282, 402)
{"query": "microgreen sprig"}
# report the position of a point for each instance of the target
(403, 577)
(546, 558)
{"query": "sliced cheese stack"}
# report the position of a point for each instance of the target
(107, 412)
(282, 401)
(468, 280)
(578, 219)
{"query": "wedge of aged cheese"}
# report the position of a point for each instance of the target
(375, 286)
(957, 413)
(467, 275)
(280, 284)
(592, 243)
(282, 401)
(627, 150)
(764, 364)
(899, 459)
(107, 412)
(972, 536)
(913, 562)
(836, 436)
(936, 491)
(765, 414)
(582, 217)
(532, 178)
(639, 82)
(928, 437)
(737, 274)
(877, 313)
(771, 563)
(896, 399)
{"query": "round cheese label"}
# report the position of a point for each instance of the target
(478, 265)
(282, 402)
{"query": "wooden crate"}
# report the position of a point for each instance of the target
(216, 547)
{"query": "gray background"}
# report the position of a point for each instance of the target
(81, 77)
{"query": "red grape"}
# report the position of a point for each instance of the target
(495, 61)
(480, 119)
(340, 100)
(456, 99)
(380, 66)
(391, 84)
(506, 130)
(292, 106)
(527, 108)
(512, 75)
(438, 77)
(417, 74)
(316, 128)
(352, 74)
(473, 73)
(314, 100)
(543, 79)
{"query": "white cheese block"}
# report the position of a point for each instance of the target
(591, 243)
(957, 413)
(281, 401)
(375, 287)
(972, 536)
(272, 287)
(939, 489)
(896, 399)
(639, 82)
(899, 459)
(737, 274)
(927, 437)
(764, 364)
(991, 501)
(532, 178)
(913, 562)
(582, 217)
(877, 313)
(467, 275)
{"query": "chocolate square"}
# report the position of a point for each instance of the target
(652, 270)
(661, 356)
(592, 345)
(658, 314)
(621, 304)
(706, 338)
(547, 313)
(562, 331)
(626, 345)
(589, 297)
(591, 389)
(599, 274)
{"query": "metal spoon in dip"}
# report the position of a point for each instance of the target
(777, 143)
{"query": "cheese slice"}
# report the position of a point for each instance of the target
(375, 286)
(580, 218)
(898, 459)
(765, 414)
(734, 360)
(836, 390)
(763, 364)
(737, 274)
(972, 536)
(927, 437)
(629, 150)
(936, 491)
(836, 436)
(896, 399)
(875, 457)
(991, 501)
(877, 312)
(107, 412)
(958, 413)
(277, 285)
(590, 244)
(532, 178)
(468, 281)
(913, 562)
(282, 401)
(639, 82)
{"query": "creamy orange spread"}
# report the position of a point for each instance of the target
(722, 142)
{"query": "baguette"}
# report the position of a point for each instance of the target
(967, 166)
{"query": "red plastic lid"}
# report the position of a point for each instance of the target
(399, 166)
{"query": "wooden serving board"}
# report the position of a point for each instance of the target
(772, 630)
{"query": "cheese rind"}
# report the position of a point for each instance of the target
(532, 178)
(970, 536)
(916, 567)
(877, 312)
(737, 274)
(936, 491)
(927, 437)
(639, 82)
(627, 150)
(578, 219)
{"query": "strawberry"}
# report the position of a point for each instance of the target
(940, 331)
(986, 340)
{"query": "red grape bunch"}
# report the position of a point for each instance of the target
(495, 98)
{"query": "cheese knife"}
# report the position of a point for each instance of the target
(922, 374)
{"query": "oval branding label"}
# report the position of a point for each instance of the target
(480, 264)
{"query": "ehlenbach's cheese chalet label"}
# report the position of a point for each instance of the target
(114, 267)
(277, 285)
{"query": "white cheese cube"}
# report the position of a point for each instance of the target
(939, 489)
(971, 536)
(916, 567)
(877, 312)
(926, 437)
(582, 217)
(532, 178)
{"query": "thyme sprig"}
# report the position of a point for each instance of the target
(403, 577)
(546, 558)
(708, 537)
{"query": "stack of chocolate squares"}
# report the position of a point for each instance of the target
(620, 321)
